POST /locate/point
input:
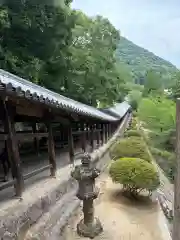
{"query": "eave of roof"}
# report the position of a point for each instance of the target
(23, 88)
(118, 110)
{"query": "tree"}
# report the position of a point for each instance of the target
(175, 88)
(62, 49)
(131, 147)
(35, 43)
(134, 174)
(134, 98)
(153, 83)
(157, 113)
(93, 60)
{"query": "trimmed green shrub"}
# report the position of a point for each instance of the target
(134, 174)
(132, 133)
(131, 147)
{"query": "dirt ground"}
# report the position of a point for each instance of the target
(122, 218)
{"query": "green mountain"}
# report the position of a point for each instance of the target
(140, 60)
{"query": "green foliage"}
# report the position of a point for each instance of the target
(134, 98)
(175, 87)
(162, 153)
(134, 124)
(132, 133)
(63, 50)
(35, 43)
(140, 60)
(166, 160)
(158, 116)
(135, 174)
(157, 113)
(153, 83)
(131, 147)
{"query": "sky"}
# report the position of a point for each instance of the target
(152, 24)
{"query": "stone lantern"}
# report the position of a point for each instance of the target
(85, 174)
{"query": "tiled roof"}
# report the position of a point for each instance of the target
(23, 88)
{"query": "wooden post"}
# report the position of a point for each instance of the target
(110, 132)
(70, 144)
(98, 134)
(107, 129)
(51, 150)
(83, 137)
(102, 137)
(92, 136)
(13, 150)
(176, 219)
(106, 132)
(36, 140)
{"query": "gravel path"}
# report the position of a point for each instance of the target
(123, 219)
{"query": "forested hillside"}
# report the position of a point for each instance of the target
(141, 60)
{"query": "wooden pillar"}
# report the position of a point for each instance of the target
(36, 140)
(70, 144)
(106, 132)
(98, 134)
(51, 150)
(83, 137)
(110, 130)
(102, 137)
(88, 134)
(92, 136)
(13, 150)
(176, 218)
(107, 129)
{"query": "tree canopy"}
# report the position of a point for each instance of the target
(63, 50)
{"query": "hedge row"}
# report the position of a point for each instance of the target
(132, 166)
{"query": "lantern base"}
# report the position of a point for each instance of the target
(91, 230)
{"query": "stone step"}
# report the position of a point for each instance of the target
(52, 223)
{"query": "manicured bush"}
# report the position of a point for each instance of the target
(132, 133)
(131, 147)
(134, 174)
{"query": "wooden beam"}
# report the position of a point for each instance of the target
(29, 110)
(51, 150)
(12, 147)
